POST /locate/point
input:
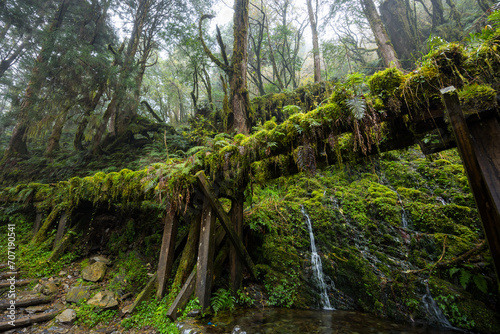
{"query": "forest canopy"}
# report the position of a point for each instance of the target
(83, 79)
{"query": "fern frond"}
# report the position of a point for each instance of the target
(357, 106)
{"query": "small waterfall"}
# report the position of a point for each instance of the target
(404, 214)
(436, 316)
(318, 267)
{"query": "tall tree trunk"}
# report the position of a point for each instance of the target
(314, 30)
(118, 101)
(383, 42)
(394, 15)
(276, 71)
(17, 143)
(53, 143)
(239, 98)
(437, 14)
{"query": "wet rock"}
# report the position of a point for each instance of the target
(238, 330)
(194, 313)
(94, 272)
(46, 288)
(67, 316)
(75, 294)
(127, 309)
(100, 259)
(104, 299)
(37, 308)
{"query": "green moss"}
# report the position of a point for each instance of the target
(475, 98)
(385, 83)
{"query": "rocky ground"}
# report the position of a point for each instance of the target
(60, 297)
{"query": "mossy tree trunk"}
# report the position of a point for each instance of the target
(313, 20)
(402, 31)
(239, 99)
(55, 137)
(384, 44)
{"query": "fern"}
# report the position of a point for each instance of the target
(195, 149)
(357, 106)
(222, 300)
(481, 283)
(464, 278)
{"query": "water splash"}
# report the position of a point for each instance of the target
(436, 316)
(317, 265)
(404, 214)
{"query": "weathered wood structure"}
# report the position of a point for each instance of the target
(478, 141)
(406, 120)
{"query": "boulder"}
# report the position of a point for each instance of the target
(94, 272)
(104, 299)
(67, 316)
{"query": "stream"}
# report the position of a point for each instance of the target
(292, 321)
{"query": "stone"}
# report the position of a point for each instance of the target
(37, 308)
(104, 299)
(46, 288)
(94, 272)
(76, 294)
(67, 316)
(127, 309)
(238, 330)
(100, 259)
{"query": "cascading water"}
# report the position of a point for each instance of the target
(404, 214)
(317, 265)
(436, 316)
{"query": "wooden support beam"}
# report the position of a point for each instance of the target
(226, 223)
(61, 227)
(478, 144)
(234, 261)
(167, 252)
(183, 296)
(29, 320)
(38, 220)
(206, 253)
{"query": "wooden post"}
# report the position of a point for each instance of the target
(167, 252)
(478, 144)
(38, 219)
(206, 253)
(61, 227)
(183, 296)
(226, 223)
(234, 261)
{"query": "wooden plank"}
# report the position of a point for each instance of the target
(30, 320)
(183, 296)
(206, 253)
(171, 222)
(144, 294)
(481, 159)
(234, 261)
(226, 223)
(60, 228)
